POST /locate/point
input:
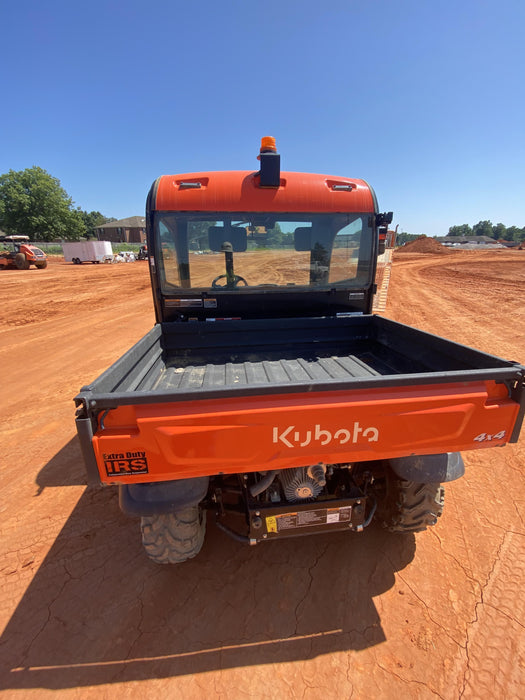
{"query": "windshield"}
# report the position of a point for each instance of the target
(236, 251)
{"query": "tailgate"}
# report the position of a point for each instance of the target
(147, 442)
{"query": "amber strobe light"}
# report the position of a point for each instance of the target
(268, 144)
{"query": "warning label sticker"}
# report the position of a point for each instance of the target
(308, 518)
(271, 524)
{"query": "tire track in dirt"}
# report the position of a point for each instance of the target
(496, 639)
(469, 297)
(477, 299)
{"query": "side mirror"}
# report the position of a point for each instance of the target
(384, 219)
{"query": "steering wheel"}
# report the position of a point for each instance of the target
(231, 282)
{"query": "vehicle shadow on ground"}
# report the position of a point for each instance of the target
(98, 611)
(66, 468)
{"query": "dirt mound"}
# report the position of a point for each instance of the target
(423, 244)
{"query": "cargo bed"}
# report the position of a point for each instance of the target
(189, 360)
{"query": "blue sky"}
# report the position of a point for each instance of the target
(424, 100)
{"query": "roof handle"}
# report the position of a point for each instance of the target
(190, 185)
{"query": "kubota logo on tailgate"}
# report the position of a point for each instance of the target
(291, 437)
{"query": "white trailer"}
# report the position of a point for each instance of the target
(87, 251)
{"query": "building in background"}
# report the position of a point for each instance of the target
(130, 230)
(469, 242)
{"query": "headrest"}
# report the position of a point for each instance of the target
(303, 238)
(236, 235)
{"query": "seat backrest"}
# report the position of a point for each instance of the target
(236, 235)
(303, 238)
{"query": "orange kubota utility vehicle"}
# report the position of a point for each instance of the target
(267, 392)
(21, 254)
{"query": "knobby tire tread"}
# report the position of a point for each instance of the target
(172, 538)
(409, 506)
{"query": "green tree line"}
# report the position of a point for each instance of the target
(402, 237)
(33, 203)
(487, 228)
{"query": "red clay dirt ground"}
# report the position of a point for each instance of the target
(85, 614)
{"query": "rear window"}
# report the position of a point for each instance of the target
(216, 251)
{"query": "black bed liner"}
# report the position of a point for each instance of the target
(268, 370)
(198, 360)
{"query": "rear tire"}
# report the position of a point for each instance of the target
(408, 506)
(172, 538)
(21, 262)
